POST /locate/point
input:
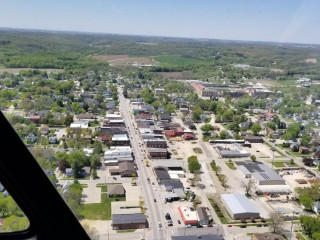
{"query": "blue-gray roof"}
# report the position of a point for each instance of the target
(128, 218)
(239, 203)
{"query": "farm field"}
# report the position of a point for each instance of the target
(176, 60)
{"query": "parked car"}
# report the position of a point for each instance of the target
(210, 225)
(179, 222)
(199, 226)
(188, 226)
(168, 217)
(155, 200)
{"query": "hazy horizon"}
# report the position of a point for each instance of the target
(286, 21)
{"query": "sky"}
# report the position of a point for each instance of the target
(256, 20)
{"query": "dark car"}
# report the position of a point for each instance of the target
(179, 222)
(168, 217)
(154, 200)
(199, 226)
(114, 178)
(243, 226)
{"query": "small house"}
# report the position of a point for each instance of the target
(116, 190)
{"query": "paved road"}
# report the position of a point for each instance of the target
(143, 174)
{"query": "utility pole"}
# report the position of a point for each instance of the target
(291, 225)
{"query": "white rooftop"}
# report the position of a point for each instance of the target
(239, 203)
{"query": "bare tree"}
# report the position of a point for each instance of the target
(276, 222)
(249, 186)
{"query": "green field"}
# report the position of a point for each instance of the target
(175, 60)
(99, 211)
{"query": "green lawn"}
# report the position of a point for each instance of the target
(197, 150)
(218, 211)
(126, 231)
(231, 165)
(302, 237)
(99, 211)
(175, 60)
(279, 164)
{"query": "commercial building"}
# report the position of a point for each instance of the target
(267, 236)
(261, 173)
(188, 215)
(120, 140)
(239, 206)
(157, 153)
(128, 221)
(117, 154)
(235, 152)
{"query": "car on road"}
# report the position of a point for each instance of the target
(114, 178)
(155, 200)
(188, 226)
(199, 226)
(229, 225)
(152, 183)
(168, 217)
(160, 224)
(179, 222)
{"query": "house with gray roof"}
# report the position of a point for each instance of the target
(116, 190)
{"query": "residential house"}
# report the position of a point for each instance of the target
(304, 150)
(53, 139)
(164, 117)
(69, 172)
(116, 190)
(188, 136)
(35, 118)
(143, 116)
(31, 138)
(190, 125)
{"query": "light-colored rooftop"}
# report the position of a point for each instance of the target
(239, 203)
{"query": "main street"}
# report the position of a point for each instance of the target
(153, 208)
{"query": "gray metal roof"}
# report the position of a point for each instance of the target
(128, 218)
(239, 203)
(260, 171)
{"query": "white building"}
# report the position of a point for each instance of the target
(239, 206)
(114, 155)
(80, 124)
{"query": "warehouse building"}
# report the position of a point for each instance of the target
(261, 173)
(239, 206)
(188, 215)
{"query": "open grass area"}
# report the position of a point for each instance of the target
(279, 164)
(218, 211)
(176, 60)
(231, 165)
(99, 211)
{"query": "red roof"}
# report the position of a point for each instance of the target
(186, 221)
(179, 129)
(169, 133)
(188, 136)
(35, 117)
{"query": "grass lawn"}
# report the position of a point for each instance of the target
(197, 150)
(99, 211)
(218, 211)
(231, 165)
(175, 60)
(279, 164)
(126, 231)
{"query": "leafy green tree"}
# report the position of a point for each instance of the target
(170, 108)
(206, 128)
(68, 120)
(213, 106)
(14, 224)
(193, 164)
(306, 201)
(223, 134)
(253, 158)
(272, 125)
(256, 128)
(305, 140)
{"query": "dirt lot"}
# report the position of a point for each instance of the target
(124, 59)
(133, 60)
(297, 174)
(110, 57)
(176, 75)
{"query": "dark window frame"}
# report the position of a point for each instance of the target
(22, 176)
